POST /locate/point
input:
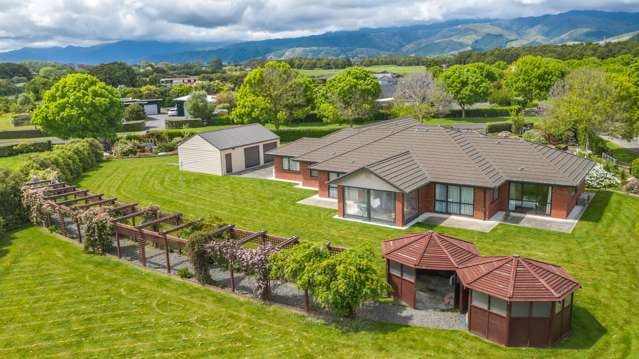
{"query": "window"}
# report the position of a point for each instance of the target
(372, 205)
(408, 273)
(332, 188)
(395, 269)
(530, 198)
(290, 164)
(314, 173)
(480, 300)
(541, 309)
(411, 205)
(454, 199)
(520, 309)
(498, 306)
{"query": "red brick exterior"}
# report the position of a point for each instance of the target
(340, 201)
(427, 198)
(399, 209)
(323, 184)
(307, 180)
(280, 173)
(564, 199)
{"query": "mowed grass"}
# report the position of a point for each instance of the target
(13, 162)
(601, 253)
(5, 123)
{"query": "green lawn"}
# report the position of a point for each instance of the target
(13, 162)
(5, 123)
(620, 153)
(600, 253)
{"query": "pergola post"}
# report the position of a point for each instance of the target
(77, 227)
(307, 304)
(232, 277)
(141, 249)
(166, 252)
(64, 227)
(117, 243)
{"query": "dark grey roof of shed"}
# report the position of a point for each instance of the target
(239, 136)
(415, 155)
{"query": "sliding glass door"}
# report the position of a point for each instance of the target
(454, 199)
(530, 198)
(369, 204)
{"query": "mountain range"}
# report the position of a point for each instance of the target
(429, 39)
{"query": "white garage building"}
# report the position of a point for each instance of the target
(228, 151)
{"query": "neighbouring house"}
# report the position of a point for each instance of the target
(388, 84)
(181, 101)
(393, 171)
(229, 150)
(511, 300)
(170, 81)
(151, 106)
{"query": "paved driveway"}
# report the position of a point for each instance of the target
(156, 122)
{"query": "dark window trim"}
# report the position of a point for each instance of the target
(290, 159)
(310, 173)
(407, 220)
(368, 218)
(535, 212)
(333, 186)
(446, 201)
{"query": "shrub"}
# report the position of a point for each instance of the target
(535, 136)
(126, 148)
(134, 112)
(501, 97)
(30, 133)
(21, 119)
(98, 230)
(632, 186)
(598, 177)
(295, 133)
(184, 273)
(484, 112)
(132, 126)
(69, 160)
(166, 147)
(494, 127)
(198, 256)
(25, 147)
(635, 168)
(12, 211)
(184, 123)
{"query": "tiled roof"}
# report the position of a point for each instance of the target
(429, 250)
(517, 278)
(238, 136)
(440, 154)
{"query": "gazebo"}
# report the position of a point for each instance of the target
(421, 268)
(517, 301)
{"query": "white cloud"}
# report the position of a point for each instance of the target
(82, 22)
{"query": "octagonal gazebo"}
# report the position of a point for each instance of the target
(429, 260)
(518, 301)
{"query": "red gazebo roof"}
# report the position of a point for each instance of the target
(429, 250)
(515, 278)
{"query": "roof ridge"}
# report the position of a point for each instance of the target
(426, 243)
(513, 274)
(418, 235)
(523, 262)
(568, 277)
(364, 145)
(457, 136)
(444, 249)
(492, 270)
(453, 241)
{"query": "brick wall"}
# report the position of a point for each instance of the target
(340, 201)
(501, 204)
(427, 198)
(564, 200)
(307, 180)
(283, 174)
(480, 200)
(322, 184)
(399, 209)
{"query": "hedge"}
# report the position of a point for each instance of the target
(21, 119)
(292, 134)
(69, 161)
(190, 122)
(30, 133)
(635, 168)
(501, 111)
(132, 126)
(495, 127)
(19, 148)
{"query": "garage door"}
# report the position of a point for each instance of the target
(267, 147)
(252, 156)
(151, 109)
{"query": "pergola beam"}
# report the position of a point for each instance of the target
(60, 189)
(122, 207)
(127, 216)
(85, 198)
(251, 237)
(221, 230)
(63, 194)
(96, 203)
(292, 240)
(178, 227)
(158, 221)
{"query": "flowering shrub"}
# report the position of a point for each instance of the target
(199, 256)
(37, 208)
(600, 178)
(632, 186)
(98, 229)
(535, 136)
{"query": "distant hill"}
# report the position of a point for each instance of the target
(423, 40)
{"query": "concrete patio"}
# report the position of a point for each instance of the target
(317, 201)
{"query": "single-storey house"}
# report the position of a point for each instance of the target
(181, 108)
(229, 150)
(393, 171)
(170, 81)
(151, 106)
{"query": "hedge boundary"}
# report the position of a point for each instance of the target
(182, 123)
(30, 133)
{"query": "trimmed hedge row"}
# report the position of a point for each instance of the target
(30, 133)
(20, 148)
(182, 123)
(21, 119)
(292, 134)
(484, 112)
(496, 127)
(133, 126)
(69, 161)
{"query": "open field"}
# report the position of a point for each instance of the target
(400, 70)
(600, 253)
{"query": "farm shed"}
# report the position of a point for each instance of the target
(421, 269)
(517, 301)
(228, 151)
(151, 106)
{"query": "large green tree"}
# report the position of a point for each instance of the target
(198, 106)
(79, 105)
(274, 93)
(592, 100)
(115, 74)
(348, 96)
(532, 77)
(468, 84)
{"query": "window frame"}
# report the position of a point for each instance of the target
(286, 164)
(542, 207)
(311, 171)
(332, 188)
(460, 203)
(368, 216)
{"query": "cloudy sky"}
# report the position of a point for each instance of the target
(41, 23)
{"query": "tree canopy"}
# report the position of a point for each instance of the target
(467, 84)
(9, 70)
(274, 93)
(134, 112)
(115, 74)
(348, 96)
(198, 106)
(422, 95)
(531, 77)
(79, 105)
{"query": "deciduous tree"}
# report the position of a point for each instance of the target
(531, 77)
(468, 84)
(198, 106)
(422, 95)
